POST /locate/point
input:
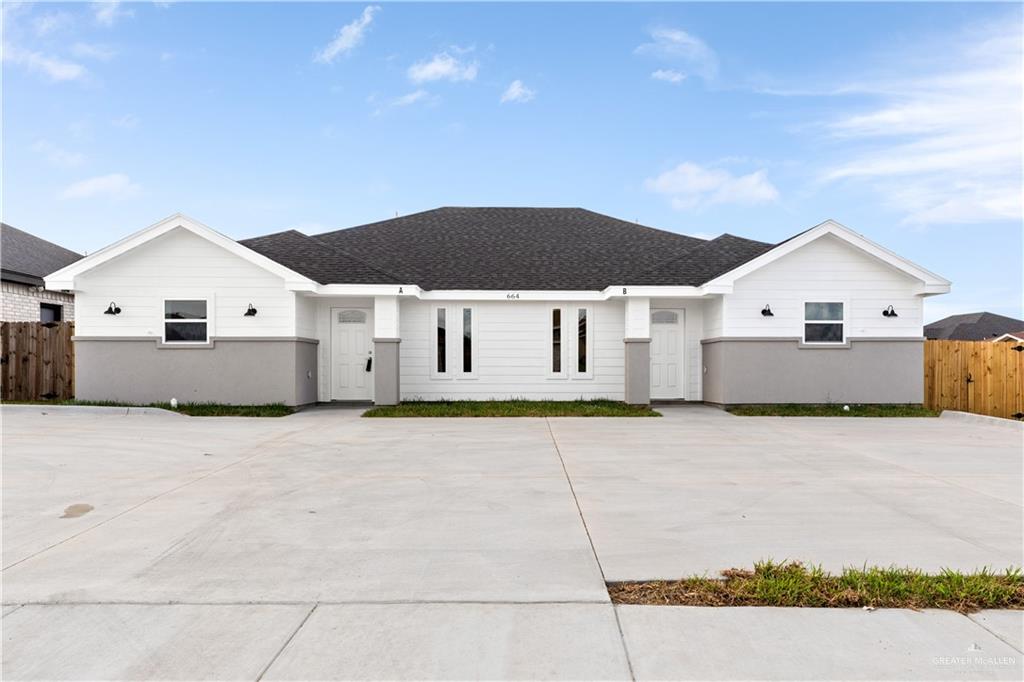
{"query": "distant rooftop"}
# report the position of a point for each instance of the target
(26, 258)
(973, 327)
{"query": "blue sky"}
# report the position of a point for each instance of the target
(902, 121)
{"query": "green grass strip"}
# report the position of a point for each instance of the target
(793, 584)
(831, 410)
(191, 409)
(513, 408)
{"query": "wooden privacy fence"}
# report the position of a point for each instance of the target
(38, 360)
(983, 377)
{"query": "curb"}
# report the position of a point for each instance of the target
(93, 410)
(982, 419)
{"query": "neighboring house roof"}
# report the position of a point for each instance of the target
(1011, 336)
(972, 327)
(27, 259)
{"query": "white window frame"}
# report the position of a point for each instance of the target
(475, 339)
(453, 341)
(434, 373)
(574, 356)
(803, 316)
(207, 299)
(564, 346)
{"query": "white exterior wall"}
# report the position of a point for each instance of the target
(512, 352)
(180, 265)
(826, 269)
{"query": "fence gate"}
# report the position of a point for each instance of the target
(984, 377)
(38, 360)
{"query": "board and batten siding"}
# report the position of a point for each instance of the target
(181, 265)
(512, 352)
(826, 269)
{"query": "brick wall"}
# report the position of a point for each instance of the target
(20, 302)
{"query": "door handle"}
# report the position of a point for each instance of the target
(369, 364)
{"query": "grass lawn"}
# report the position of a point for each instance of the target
(792, 584)
(513, 408)
(191, 409)
(830, 410)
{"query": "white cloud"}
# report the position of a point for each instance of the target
(93, 51)
(411, 98)
(113, 186)
(673, 44)
(107, 12)
(51, 22)
(668, 75)
(57, 156)
(54, 67)
(126, 121)
(442, 66)
(517, 92)
(348, 37)
(943, 146)
(690, 185)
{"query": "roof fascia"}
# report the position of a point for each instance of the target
(932, 283)
(64, 279)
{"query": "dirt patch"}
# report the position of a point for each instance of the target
(76, 510)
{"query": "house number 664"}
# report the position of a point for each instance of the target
(512, 297)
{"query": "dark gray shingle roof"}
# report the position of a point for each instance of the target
(507, 249)
(972, 327)
(317, 260)
(27, 259)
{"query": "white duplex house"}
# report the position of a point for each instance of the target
(481, 303)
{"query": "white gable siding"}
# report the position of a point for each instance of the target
(827, 269)
(512, 353)
(181, 264)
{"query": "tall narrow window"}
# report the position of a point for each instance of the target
(556, 340)
(442, 349)
(581, 343)
(467, 340)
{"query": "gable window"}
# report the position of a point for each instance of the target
(824, 322)
(442, 346)
(51, 312)
(185, 321)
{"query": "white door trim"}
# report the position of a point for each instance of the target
(680, 331)
(369, 335)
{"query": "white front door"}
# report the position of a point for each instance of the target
(351, 354)
(667, 354)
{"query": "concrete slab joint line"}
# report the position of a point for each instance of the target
(597, 559)
(286, 643)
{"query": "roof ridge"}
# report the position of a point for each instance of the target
(688, 252)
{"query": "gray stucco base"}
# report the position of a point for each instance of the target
(386, 376)
(759, 371)
(638, 371)
(226, 371)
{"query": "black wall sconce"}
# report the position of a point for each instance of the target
(889, 312)
(112, 309)
(251, 312)
(767, 311)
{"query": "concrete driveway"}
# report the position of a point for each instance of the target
(323, 545)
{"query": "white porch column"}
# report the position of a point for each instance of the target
(637, 341)
(386, 337)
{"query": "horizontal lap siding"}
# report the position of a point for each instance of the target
(180, 264)
(512, 353)
(824, 270)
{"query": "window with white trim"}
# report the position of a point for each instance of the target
(583, 357)
(824, 322)
(556, 343)
(453, 354)
(185, 321)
